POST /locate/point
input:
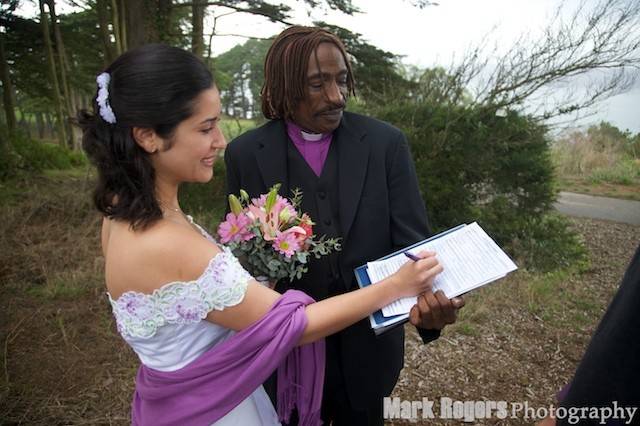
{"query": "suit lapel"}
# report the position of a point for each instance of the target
(353, 159)
(271, 157)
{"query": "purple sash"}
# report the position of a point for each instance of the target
(221, 378)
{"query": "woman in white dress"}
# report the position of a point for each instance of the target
(207, 334)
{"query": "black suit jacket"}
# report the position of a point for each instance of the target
(380, 211)
(610, 368)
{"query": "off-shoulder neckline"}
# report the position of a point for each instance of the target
(156, 291)
(163, 287)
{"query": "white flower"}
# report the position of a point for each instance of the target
(103, 98)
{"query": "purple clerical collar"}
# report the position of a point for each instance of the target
(314, 147)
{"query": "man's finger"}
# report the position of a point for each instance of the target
(448, 312)
(434, 308)
(414, 316)
(424, 312)
(458, 302)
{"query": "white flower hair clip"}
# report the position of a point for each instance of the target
(103, 98)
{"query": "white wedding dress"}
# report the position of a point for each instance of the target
(168, 331)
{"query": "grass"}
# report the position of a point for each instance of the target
(545, 296)
(600, 161)
(598, 187)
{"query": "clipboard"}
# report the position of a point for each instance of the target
(380, 323)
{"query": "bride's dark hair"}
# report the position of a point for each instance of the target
(153, 86)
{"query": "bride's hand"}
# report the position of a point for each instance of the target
(416, 277)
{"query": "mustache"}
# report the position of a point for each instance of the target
(333, 108)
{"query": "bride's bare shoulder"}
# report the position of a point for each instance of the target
(143, 260)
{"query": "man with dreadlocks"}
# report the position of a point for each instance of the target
(358, 183)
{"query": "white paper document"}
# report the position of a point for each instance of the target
(469, 257)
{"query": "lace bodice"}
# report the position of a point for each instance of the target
(222, 284)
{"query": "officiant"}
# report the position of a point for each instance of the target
(359, 184)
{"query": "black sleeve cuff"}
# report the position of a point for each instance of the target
(428, 335)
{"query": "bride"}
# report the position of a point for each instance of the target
(207, 334)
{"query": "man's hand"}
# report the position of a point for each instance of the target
(433, 310)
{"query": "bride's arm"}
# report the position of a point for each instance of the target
(191, 256)
(335, 313)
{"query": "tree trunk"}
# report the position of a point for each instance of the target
(135, 23)
(197, 22)
(23, 119)
(49, 127)
(40, 125)
(123, 11)
(148, 21)
(7, 90)
(105, 34)
(163, 19)
(53, 77)
(64, 68)
(143, 22)
(116, 13)
(62, 56)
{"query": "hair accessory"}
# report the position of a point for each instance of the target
(103, 98)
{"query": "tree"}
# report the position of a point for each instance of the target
(5, 75)
(599, 42)
(118, 19)
(239, 76)
(275, 12)
(197, 23)
(7, 89)
(102, 10)
(63, 68)
(53, 75)
(376, 71)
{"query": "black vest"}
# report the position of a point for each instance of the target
(320, 201)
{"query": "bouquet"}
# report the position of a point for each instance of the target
(270, 235)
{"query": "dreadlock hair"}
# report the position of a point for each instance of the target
(285, 69)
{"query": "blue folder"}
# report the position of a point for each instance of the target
(380, 323)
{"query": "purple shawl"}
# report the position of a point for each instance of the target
(221, 378)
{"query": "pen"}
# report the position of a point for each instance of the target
(411, 256)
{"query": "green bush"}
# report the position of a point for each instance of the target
(24, 153)
(625, 172)
(39, 156)
(546, 243)
(475, 166)
(602, 153)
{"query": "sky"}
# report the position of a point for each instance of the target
(433, 36)
(438, 35)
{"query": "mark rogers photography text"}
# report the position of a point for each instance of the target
(470, 411)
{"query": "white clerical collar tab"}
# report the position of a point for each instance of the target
(312, 137)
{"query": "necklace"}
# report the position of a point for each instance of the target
(175, 209)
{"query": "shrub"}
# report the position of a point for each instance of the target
(546, 243)
(624, 172)
(475, 166)
(600, 154)
(24, 153)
